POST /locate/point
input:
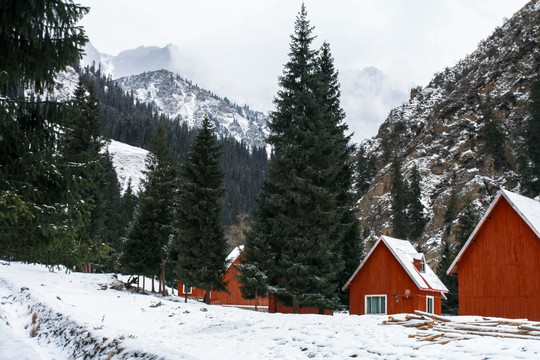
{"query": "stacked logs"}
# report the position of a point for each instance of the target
(434, 329)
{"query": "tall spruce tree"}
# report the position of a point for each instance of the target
(399, 202)
(200, 243)
(296, 243)
(341, 170)
(415, 209)
(145, 247)
(37, 206)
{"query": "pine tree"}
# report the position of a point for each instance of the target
(399, 202)
(200, 244)
(415, 209)
(298, 236)
(37, 207)
(451, 207)
(493, 136)
(145, 248)
(365, 170)
(450, 305)
(533, 146)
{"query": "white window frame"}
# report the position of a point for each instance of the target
(184, 289)
(366, 297)
(428, 298)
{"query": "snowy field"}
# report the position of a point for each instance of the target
(60, 315)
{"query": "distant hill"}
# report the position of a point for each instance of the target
(183, 101)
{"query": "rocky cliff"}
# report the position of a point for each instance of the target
(439, 130)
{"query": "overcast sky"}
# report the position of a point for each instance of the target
(239, 46)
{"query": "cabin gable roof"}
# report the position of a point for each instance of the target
(405, 254)
(528, 209)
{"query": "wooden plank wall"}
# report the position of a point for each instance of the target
(499, 274)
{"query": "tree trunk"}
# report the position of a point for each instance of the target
(207, 297)
(143, 283)
(153, 285)
(295, 306)
(255, 298)
(162, 280)
(185, 297)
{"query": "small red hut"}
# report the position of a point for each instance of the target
(498, 268)
(221, 297)
(394, 278)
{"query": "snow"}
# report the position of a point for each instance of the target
(129, 163)
(528, 208)
(75, 318)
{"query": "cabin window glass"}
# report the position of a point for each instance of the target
(429, 304)
(187, 289)
(423, 266)
(375, 304)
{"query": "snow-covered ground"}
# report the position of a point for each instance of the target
(62, 315)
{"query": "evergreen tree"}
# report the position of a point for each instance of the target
(451, 207)
(466, 223)
(399, 202)
(450, 305)
(533, 145)
(37, 207)
(200, 244)
(415, 209)
(493, 136)
(341, 170)
(365, 170)
(298, 236)
(145, 248)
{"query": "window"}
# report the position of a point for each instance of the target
(187, 289)
(429, 304)
(375, 304)
(423, 266)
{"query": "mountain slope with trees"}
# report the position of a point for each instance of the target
(467, 134)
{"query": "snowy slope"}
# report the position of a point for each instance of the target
(129, 163)
(78, 315)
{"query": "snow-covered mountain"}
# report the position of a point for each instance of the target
(130, 62)
(184, 101)
(439, 130)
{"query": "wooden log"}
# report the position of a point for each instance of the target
(466, 327)
(416, 317)
(433, 316)
(480, 333)
(529, 328)
(432, 337)
(419, 324)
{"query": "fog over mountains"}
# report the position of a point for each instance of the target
(367, 97)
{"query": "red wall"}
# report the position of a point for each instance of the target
(382, 274)
(222, 297)
(235, 296)
(277, 307)
(499, 273)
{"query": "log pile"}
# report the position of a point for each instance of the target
(434, 329)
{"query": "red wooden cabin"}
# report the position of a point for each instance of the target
(498, 268)
(394, 278)
(275, 306)
(221, 297)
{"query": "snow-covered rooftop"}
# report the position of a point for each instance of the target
(405, 253)
(528, 209)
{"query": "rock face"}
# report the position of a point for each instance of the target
(184, 101)
(440, 131)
